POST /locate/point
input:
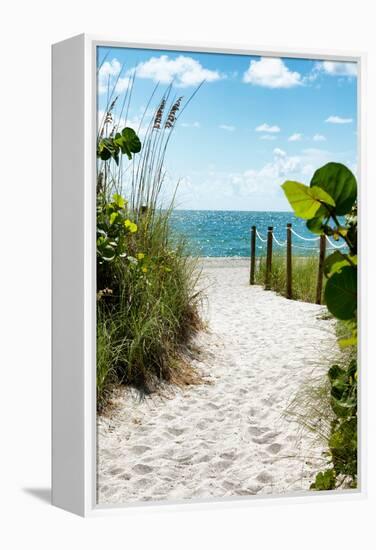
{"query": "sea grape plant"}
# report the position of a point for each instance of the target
(114, 224)
(343, 439)
(331, 195)
(113, 228)
(127, 142)
(329, 206)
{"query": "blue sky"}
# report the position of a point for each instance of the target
(254, 123)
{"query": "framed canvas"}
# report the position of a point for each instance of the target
(207, 275)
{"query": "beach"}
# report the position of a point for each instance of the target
(228, 436)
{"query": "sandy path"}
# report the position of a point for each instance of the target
(227, 438)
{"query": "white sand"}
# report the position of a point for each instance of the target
(227, 438)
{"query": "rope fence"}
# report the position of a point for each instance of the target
(304, 238)
(259, 236)
(323, 242)
(284, 243)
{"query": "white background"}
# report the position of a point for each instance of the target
(27, 30)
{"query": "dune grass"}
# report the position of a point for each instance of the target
(304, 276)
(143, 329)
(310, 409)
(147, 300)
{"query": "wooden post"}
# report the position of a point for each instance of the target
(253, 256)
(269, 252)
(288, 262)
(320, 273)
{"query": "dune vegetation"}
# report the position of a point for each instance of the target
(304, 276)
(147, 302)
(331, 194)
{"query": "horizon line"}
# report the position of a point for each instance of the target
(229, 210)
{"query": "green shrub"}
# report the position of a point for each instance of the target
(342, 441)
(332, 193)
(147, 301)
(304, 276)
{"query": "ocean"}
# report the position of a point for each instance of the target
(218, 233)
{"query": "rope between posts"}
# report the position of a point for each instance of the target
(304, 238)
(261, 239)
(334, 245)
(277, 241)
(288, 244)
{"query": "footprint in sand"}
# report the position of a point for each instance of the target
(142, 469)
(176, 431)
(255, 430)
(274, 448)
(264, 477)
(222, 465)
(229, 486)
(202, 425)
(140, 449)
(245, 492)
(213, 406)
(201, 459)
(228, 455)
(116, 471)
(184, 459)
(168, 417)
(265, 438)
(143, 483)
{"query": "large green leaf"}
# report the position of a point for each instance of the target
(315, 225)
(105, 250)
(128, 142)
(118, 200)
(339, 182)
(306, 201)
(131, 138)
(324, 481)
(341, 293)
(114, 217)
(335, 262)
(106, 148)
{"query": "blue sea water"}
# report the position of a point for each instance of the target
(215, 233)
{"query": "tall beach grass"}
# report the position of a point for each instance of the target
(304, 276)
(147, 300)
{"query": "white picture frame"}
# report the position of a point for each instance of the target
(73, 270)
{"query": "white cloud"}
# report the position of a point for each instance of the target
(331, 68)
(267, 128)
(110, 68)
(183, 70)
(122, 84)
(338, 68)
(268, 137)
(334, 119)
(195, 124)
(256, 188)
(319, 137)
(271, 72)
(227, 127)
(108, 78)
(295, 137)
(268, 179)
